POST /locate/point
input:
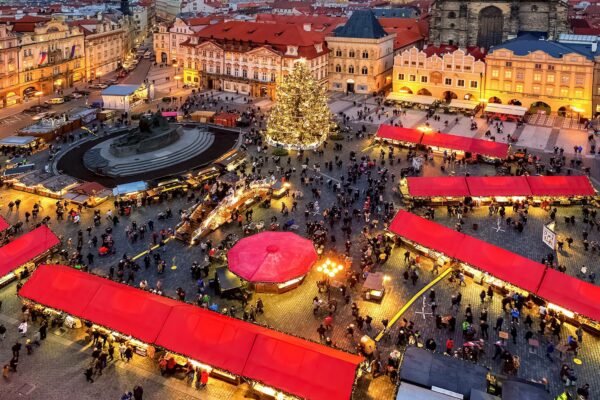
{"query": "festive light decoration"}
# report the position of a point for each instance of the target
(330, 268)
(301, 118)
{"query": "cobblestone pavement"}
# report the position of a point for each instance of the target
(292, 312)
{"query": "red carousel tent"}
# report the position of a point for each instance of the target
(272, 257)
(3, 224)
(491, 186)
(561, 186)
(26, 248)
(571, 293)
(433, 186)
(390, 132)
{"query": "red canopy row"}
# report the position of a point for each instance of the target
(284, 362)
(558, 288)
(444, 140)
(490, 186)
(3, 224)
(26, 248)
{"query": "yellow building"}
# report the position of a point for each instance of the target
(51, 56)
(446, 73)
(362, 55)
(104, 46)
(543, 76)
(9, 68)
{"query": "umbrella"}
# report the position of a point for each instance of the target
(272, 257)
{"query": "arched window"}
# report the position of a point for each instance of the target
(338, 68)
(364, 70)
(351, 69)
(351, 54)
(365, 54)
(338, 53)
(451, 15)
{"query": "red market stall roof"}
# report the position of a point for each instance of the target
(561, 185)
(503, 264)
(390, 132)
(3, 224)
(26, 248)
(272, 257)
(426, 233)
(300, 367)
(446, 186)
(571, 293)
(208, 337)
(281, 361)
(555, 287)
(491, 186)
(461, 143)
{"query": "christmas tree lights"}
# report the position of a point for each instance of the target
(301, 118)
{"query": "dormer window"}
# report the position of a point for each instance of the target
(292, 50)
(319, 47)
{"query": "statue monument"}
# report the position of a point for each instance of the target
(152, 133)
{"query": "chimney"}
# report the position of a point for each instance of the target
(307, 27)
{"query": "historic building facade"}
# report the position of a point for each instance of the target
(489, 23)
(249, 58)
(9, 67)
(446, 75)
(51, 57)
(362, 55)
(544, 76)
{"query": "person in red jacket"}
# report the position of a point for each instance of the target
(449, 346)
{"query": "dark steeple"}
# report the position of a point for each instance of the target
(362, 24)
(125, 7)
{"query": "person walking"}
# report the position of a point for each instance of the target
(513, 333)
(138, 393)
(499, 322)
(449, 346)
(16, 348)
(89, 373)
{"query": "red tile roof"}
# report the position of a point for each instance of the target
(319, 23)
(476, 52)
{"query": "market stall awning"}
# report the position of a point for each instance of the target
(411, 98)
(272, 257)
(571, 293)
(489, 148)
(132, 187)
(26, 248)
(500, 263)
(305, 369)
(390, 132)
(129, 310)
(426, 233)
(461, 143)
(491, 186)
(508, 109)
(437, 186)
(3, 224)
(280, 361)
(571, 185)
(208, 337)
(464, 104)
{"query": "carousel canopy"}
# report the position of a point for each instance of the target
(272, 257)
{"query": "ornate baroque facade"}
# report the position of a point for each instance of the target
(488, 23)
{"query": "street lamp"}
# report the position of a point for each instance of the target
(177, 78)
(38, 94)
(329, 269)
(424, 129)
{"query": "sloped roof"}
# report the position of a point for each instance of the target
(363, 25)
(523, 45)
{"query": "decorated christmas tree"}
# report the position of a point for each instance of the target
(301, 118)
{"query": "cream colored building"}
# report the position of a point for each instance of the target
(452, 74)
(51, 57)
(543, 76)
(361, 55)
(9, 67)
(169, 37)
(104, 46)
